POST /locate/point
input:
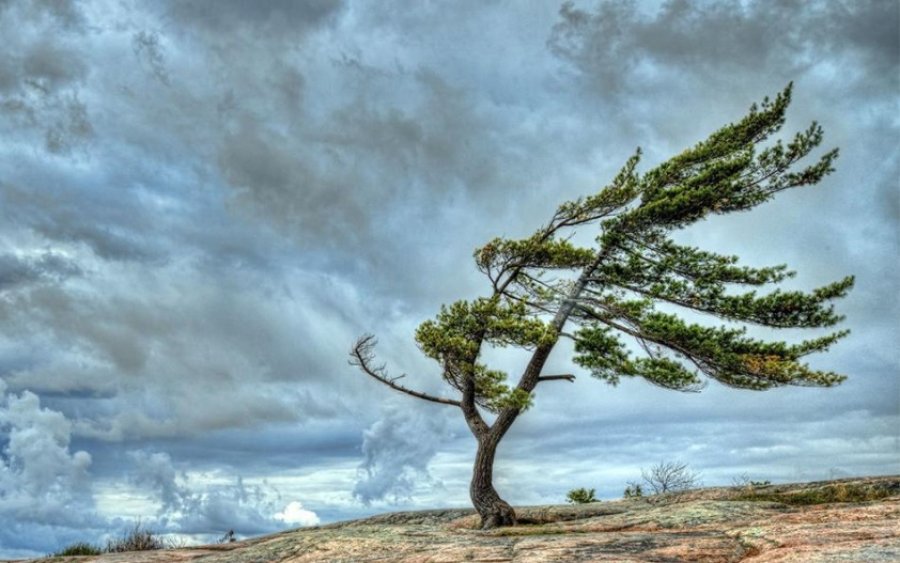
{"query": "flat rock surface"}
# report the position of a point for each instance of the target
(845, 520)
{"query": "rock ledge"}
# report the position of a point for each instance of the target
(843, 520)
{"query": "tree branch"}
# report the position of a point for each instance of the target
(567, 376)
(361, 356)
(532, 373)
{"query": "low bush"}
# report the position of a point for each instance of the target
(743, 481)
(80, 548)
(633, 490)
(581, 496)
(136, 539)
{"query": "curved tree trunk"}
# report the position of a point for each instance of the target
(494, 511)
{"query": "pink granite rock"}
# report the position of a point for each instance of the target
(847, 520)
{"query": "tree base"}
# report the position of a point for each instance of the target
(498, 514)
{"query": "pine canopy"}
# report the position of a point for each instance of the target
(623, 289)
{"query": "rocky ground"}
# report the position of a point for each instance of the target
(845, 520)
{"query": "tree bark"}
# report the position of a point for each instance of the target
(493, 510)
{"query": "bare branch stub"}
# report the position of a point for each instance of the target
(563, 377)
(362, 356)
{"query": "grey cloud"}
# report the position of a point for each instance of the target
(70, 130)
(148, 50)
(274, 449)
(328, 180)
(155, 471)
(269, 176)
(397, 451)
(58, 120)
(281, 16)
(50, 66)
(330, 183)
(867, 27)
(315, 171)
(57, 14)
(16, 271)
(40, 81)
(64, 13)
(621, 47)
(326, 171)
(211, 510)
(188, 352)
(63, 212)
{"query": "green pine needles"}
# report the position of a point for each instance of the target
(615, 299)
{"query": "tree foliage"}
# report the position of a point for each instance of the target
(618, 296)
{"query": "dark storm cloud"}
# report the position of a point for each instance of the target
(329, 181)
(41, 79)
(620, 46)
(203, 204)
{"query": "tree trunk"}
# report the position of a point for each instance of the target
(494, 511)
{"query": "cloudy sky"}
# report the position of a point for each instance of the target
(203, 204)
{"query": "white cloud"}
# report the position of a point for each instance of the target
(195, 504)
(43, 484)
(294, 513)
(39, 476)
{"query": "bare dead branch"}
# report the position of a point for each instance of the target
(362, 355)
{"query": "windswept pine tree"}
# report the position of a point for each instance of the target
(605, 298)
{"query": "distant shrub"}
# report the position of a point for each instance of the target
(670, 477)
(744, 481)
(80, 548)
(581, 496)
(136, 539)
(633, 490)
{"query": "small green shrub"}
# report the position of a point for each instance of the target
(581, 496)
(80, 548)
(633, 490)
(136, 539)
